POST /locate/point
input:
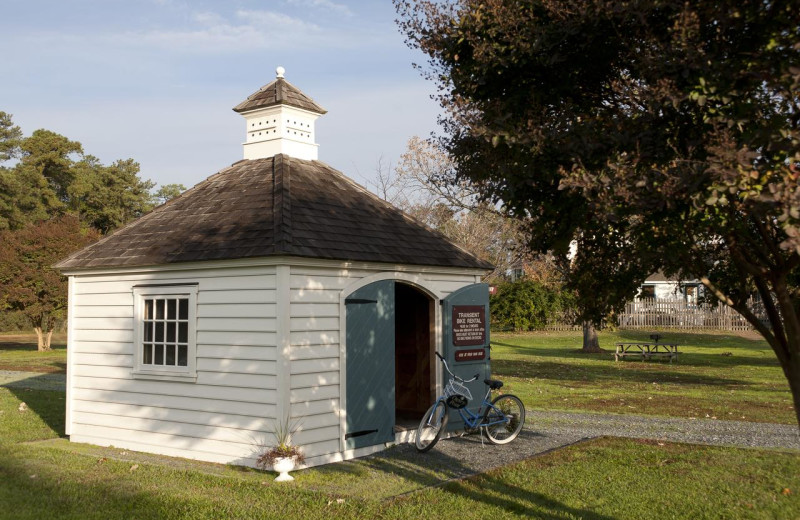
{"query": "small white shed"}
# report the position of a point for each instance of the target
(276, 288)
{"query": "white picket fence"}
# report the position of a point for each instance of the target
(679, 314)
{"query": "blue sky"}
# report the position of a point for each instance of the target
(155, 80)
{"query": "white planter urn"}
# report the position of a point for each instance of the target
(283, 465)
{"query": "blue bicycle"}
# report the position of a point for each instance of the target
(500, 420)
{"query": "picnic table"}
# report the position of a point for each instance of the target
(647, 349)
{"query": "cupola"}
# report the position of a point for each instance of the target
(280, 120)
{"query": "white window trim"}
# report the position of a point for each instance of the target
(164, 373)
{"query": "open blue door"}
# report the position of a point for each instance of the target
(465, 324)
(370, 365)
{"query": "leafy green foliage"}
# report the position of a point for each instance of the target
(654, 135)
(529, 305)
(167, 192)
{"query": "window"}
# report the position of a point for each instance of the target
(648, 291)
(165, 319)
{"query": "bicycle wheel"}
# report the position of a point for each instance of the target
(431, 426)
(505, 407)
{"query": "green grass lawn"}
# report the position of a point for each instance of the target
(726, 376)
(18, 352)
(602, 479)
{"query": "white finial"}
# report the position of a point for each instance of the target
(279, 72)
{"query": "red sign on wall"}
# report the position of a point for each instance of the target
(472, 354)
(469, 325)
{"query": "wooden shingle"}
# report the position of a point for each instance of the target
(274, 206)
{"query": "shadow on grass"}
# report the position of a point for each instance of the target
(718, 358)
(39, 393)
(617, 373)
(451, 474)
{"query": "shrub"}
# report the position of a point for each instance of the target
(527, 305)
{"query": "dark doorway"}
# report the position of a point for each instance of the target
(414, 351)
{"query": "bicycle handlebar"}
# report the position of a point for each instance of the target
(452, 374)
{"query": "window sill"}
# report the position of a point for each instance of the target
(165, 376)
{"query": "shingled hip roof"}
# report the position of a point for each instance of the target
(279, 92)
(274, 206)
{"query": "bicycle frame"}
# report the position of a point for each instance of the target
(474, 420)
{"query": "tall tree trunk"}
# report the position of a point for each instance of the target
(590, 342)
(43, 339)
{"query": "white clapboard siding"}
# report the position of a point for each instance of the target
(239, 366)
(236, 310)
(308, 437)
(313, 380)
(299, 410)
(102, 324)
(314, 295)
(310, 422)
(321, 448)
(104, 360)
(254, 339)
(314, 352)
(237, 325)
(200, 418)
(102, 335)
(242, 296)
(147, 387)
(102, 347)
(206, 432)
(315, 310)
(312, 366)
(237, 352)
(123, 299)
(203, 404)
(103, 311)
(314, 323)
(327, 337)
(214, 283)
(120, 435)
(222, 379)
(170, 451)
(302, 395)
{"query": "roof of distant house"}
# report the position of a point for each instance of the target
(274, 206)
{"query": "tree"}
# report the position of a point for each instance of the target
(657, 135)
(10, 137)
(27, 282)
(416, 186)
(166, 193)
(108, 197)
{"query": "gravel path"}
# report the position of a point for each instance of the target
(459, 457)
(34, 380)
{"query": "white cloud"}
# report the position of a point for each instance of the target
(248, 30)
(324, 4)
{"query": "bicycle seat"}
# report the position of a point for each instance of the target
(494, 384)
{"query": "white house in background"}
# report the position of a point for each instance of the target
(276, 288)
(660, 287)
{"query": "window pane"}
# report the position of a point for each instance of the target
(159, 355)
(171, 332)
(159, 331)
(147, 354)
(148, 331)
(170, 354)
(148, 309)
(183, 332)
(171, 309)
(182, 354)
(183, 313)
(160, 309)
